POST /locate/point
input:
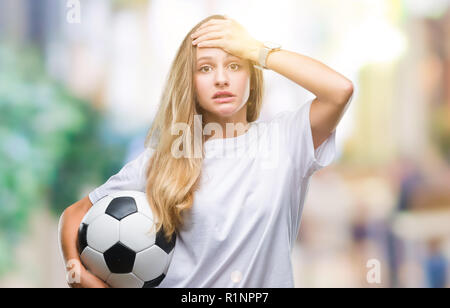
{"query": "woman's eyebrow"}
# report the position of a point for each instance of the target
(210, 58)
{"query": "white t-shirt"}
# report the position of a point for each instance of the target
(246, 214)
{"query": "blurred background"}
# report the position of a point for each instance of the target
(80, 82)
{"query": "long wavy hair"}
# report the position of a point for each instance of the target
(171, 181)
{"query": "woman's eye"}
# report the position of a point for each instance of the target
(201, 69)
(236, 67)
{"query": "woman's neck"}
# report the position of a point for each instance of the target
(225, 129)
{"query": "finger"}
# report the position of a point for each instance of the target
(208, 36)
(205, 30)
(211, 22)
(209, 26)
(211, 43)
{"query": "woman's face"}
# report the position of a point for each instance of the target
(217, 70)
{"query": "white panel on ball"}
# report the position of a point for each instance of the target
(127, 193)
(97, 209)
(144, 206)
(103, 233)
(137, 232)
(95, 263)
(150, 270)
(124, 281)
(169, 257)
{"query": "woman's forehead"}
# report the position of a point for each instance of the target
(213, 54)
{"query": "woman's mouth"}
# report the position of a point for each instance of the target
(221, 100)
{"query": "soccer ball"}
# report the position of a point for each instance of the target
(118, 243)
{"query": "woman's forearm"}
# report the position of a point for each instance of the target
(68, 233)
(316, 77)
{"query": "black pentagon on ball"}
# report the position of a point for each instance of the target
(119, 259)
(155, 282)
(121, 207)
(82, 237)
(162, 242)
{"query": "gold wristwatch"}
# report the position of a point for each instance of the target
(264, 52)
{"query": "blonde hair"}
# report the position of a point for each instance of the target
(171, 182)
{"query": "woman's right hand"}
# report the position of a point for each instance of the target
(76, 274)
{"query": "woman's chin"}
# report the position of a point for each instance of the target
(226, 109)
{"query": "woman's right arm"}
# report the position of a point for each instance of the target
(130, 177)
(77, 275)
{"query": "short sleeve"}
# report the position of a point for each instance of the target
(296, 134)
(130, 177)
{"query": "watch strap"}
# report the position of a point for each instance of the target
(263, 54)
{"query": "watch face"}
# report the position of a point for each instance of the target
(272, 45)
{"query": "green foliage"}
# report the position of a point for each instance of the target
(53, 146)
(129, 4)
(440, 129)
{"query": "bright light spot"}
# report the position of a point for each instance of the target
(374, 41)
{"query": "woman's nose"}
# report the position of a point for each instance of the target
(221, 83)
(221, 78)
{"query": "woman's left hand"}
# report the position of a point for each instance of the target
(229, 35)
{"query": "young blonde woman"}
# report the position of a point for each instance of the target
(233, 197)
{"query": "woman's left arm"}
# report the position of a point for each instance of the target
(333, 91)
